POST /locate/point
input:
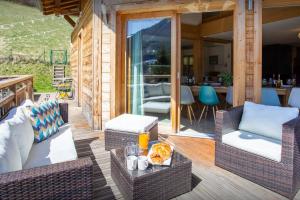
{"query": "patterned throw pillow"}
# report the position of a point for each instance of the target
(55, 112)
(45, 120)
(43, 123)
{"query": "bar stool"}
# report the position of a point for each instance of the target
(208, 97)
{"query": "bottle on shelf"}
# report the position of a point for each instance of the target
(274, 81)
(279, 81)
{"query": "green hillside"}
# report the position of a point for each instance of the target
(25, 31)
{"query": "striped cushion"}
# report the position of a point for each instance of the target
(45, 120)
(55, 112)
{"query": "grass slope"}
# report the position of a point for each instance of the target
(42, 79)
(24, 30)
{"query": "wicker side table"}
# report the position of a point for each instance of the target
(126, 128)
(155, 182)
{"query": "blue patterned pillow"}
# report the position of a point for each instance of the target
(43, 122)
(55, 112)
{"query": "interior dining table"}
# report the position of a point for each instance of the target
(283, 92)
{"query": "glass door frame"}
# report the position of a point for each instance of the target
(175, 60)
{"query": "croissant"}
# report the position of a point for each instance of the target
(160, 153)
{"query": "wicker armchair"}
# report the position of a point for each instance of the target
(67, 180)
(281, 177)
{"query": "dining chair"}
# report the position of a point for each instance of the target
(229, 95)
(187, 99)
(270, 97)
(208, 97)
(294, 98)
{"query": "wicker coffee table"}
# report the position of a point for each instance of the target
(154, 183)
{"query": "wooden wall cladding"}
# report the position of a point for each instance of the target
(83, 29)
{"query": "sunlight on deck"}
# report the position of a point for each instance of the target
(209, 181)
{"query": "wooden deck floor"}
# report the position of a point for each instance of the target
(209, 181)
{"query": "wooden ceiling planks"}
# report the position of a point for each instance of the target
(61, 7)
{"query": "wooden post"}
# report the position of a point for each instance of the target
(13, 89)
(175, 71)
(239, 52)
(97, 66)
(247, 67)
(257, 54)
(29, 89)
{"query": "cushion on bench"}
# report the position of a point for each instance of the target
(266, 120)
(10, 158)
(131, 123)
(253, 143)
(157, 107)
(56, 149)
(22, 131)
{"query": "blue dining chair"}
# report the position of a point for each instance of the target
(270, 97)
(208, 97)
(294, 99)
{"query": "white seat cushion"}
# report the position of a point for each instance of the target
(157, 107)
(131, 123)
(266, 120)
(22, 131)
(56, 149)
(158, 99)
(253, 143)
(10, 158)
(26, 103)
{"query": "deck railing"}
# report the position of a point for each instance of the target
(14, 90)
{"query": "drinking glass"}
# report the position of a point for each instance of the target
(131, 149)
(143, 143)
(143, 140)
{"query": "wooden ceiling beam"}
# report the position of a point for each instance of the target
(57, 7)
(63, 12)
(52, 4)
(268, 16)
(180, 6)
(280, 3)
(70, 20)
(215, 40)
(61, 7)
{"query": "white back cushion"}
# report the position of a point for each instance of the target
(22, 131)
(26, 103)
(56, 149)
(266, 120)
(10, 158)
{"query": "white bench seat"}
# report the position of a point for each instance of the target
(254, 143)
(56, 149)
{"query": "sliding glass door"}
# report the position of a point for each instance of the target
(148, 43)
(151, 69)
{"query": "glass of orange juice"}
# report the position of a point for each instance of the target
(144, 140)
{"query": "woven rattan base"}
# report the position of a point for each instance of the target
(153, 183)
(119, 139)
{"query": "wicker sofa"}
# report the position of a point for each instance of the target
(63, 180)
(279, 176)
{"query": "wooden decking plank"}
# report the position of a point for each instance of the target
(210, 182)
